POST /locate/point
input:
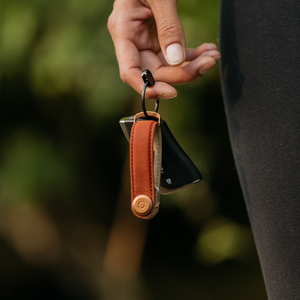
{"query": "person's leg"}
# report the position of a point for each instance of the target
(260, 69)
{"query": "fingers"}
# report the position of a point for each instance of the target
(131, 67)
(169, 30)
(170, 75)
(161, 90)
(192, 54)
(164, 75)
(186, 73)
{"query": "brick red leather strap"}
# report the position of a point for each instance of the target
(145, 167)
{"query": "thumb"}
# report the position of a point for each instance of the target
(170, 32)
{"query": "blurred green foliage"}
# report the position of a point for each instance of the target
(64, 171)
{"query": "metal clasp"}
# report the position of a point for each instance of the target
(150, 114)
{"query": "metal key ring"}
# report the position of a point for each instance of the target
(149, 81)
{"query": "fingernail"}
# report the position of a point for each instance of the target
(211, 46)
(167, 96)
(174, 54)
(206, 67)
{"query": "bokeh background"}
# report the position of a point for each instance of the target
(66, 229)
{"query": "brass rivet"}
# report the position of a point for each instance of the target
(141, 205)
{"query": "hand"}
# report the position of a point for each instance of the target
(147, 34)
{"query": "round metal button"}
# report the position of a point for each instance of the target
(141, 205)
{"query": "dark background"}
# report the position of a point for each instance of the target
(66, 229)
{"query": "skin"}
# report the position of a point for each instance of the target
(141, 31)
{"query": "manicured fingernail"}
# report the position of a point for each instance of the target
(206, 67)
(175, 54)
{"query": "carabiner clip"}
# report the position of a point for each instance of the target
(149, 81)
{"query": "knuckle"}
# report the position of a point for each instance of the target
(111, 22)
(123, 77)
(168, 29)
(115, 20)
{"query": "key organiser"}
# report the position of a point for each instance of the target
(145, 165)
(158, 165)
